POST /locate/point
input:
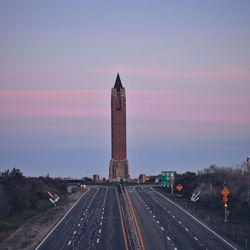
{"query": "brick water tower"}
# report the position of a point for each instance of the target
(118, 167)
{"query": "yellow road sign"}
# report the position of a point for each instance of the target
(179, 187)
(225, 191)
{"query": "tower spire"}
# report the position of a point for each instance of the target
(118, 83)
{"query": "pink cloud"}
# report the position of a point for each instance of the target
(159, 105)
(82, 103)
(189, 107)
(148, 112)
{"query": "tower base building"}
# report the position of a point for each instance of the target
(119, 171)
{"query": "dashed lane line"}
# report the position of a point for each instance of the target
(60, 221)
(210, 230)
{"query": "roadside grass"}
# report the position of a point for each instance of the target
(15, 221)
(236, 230)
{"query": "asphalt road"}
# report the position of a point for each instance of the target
(165, 226)
(93, 223)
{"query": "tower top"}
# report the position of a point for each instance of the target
(118, 83)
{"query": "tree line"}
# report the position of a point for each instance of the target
(19, 193)
(210, 181)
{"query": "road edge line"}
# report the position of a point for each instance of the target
(209, 229)
(47, 236)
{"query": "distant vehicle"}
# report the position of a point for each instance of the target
(84, 187)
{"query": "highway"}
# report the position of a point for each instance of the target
(93, 223)
(165, 226)
(138, 218)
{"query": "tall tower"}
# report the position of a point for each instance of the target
(118, 167)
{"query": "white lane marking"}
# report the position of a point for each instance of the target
(173, 216)
(100, 223)
(101, 217)
(196, 220)
(186, 229)
(100, 231)
(153, 216)
(179, 222)
(74, 232)
(168, 238)
(175, 248)
(81, 218)
(195, 238)
(169, 212)
(158, 222)
(69, 243)
(60, 222)
(162, 228)
(79, 225)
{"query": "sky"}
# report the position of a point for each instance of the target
(185, 66)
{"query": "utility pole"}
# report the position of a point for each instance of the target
(67, 186)
(248, 183)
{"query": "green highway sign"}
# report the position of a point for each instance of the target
(167, 178)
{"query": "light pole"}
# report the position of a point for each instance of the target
(226, 212)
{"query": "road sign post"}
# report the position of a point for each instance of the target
(179, 187)
(172, 185)
(167, 179)
(225, 192)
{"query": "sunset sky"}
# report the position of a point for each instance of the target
(185, 66)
